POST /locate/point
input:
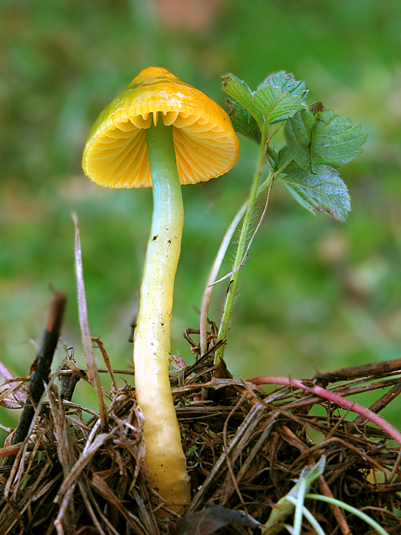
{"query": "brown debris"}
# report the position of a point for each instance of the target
(244, 451)
(79, 471)
(40, 369)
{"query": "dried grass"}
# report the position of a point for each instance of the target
(74, 474)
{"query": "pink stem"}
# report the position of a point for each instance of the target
(339, 400)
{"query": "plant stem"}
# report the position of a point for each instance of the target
(165, 459)
(350, 509)
(333, 398)
(232, 286)
(212, 280)
(207, 295)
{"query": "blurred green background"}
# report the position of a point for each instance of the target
(314, 295)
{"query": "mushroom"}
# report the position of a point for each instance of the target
(160, 132)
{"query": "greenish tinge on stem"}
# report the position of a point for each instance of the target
(241, 248)
(165, 459)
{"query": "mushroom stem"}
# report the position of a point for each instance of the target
(165, 459)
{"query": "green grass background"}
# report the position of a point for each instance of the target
(314, 293)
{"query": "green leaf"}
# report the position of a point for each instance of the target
(336, 140)
(280, 96)
(298, 132)
(271, 157)
(285, 161)
(322, 191)
(240, 91)
(287, 82)
(318, 136)
(242, 120)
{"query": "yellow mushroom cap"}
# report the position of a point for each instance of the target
(206, 145)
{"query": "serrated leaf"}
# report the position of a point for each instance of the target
(287, 82)
(242, 121)
(323, 191)
(240, 91)
(336, 140)
(286, 162)
(280, 96)
(318, 136)
(298, 132)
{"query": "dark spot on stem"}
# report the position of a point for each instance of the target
(155, 237)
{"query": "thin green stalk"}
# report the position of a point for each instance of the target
(241, 248)
(299, 503)
(213, 275)
(296, 496)
(308, 515)
(165, 459)
(350, 509)
(212, 280)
